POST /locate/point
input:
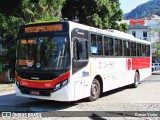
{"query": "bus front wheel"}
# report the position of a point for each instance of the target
(95, 90)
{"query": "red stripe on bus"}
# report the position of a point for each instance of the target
(137, 63)
(140, 63)
(41, 84)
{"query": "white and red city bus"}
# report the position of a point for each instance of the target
(68, 61)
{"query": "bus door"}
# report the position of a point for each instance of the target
(80, 70)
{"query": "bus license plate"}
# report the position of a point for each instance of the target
(34, 92)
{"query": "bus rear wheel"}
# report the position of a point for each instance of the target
(95, 90)
(136, 80)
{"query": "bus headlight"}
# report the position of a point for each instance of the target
(64, 82)
(60, 85)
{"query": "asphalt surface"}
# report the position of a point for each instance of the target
(144, 98)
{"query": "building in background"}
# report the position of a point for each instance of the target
(146, 29)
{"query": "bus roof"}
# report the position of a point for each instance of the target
(109, 32)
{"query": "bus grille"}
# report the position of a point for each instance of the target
(42, 92)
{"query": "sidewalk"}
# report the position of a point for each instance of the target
(7, 87)
(156, 72)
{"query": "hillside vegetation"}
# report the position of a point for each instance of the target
(143, 10)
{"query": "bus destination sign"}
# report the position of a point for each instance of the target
(43, 28)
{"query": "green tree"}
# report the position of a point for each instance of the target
(97, 13)
(14, 13)
(9, 27)
(41, 10)
(8, 30)
(10, 7)
(157, 49)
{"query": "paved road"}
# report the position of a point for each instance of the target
(144, 98)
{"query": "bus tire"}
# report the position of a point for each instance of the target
(95, 90)
(136, 80)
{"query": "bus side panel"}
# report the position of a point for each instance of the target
(113, 71)
(144, 73)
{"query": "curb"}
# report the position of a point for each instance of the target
(156, 72)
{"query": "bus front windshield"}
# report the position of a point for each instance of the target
(43, 53)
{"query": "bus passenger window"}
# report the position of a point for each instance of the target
(93, 40)
(137, 45)
(148, 50)
(126, 48)
(133, 49)
(94, 50)
(118, 47)
(96, 44)
(99, 44)
(138, 49)
(143, 50)
(108, 46)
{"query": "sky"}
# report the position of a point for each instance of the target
(128, 5)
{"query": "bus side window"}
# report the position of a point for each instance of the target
(94, 50)
(99, 44)
(129, 49)
(133, 49)
(143, 50)
(148, 50)
(126, 46)
(139, 49)
(108, 46)
(96, 44)
(118, 47)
